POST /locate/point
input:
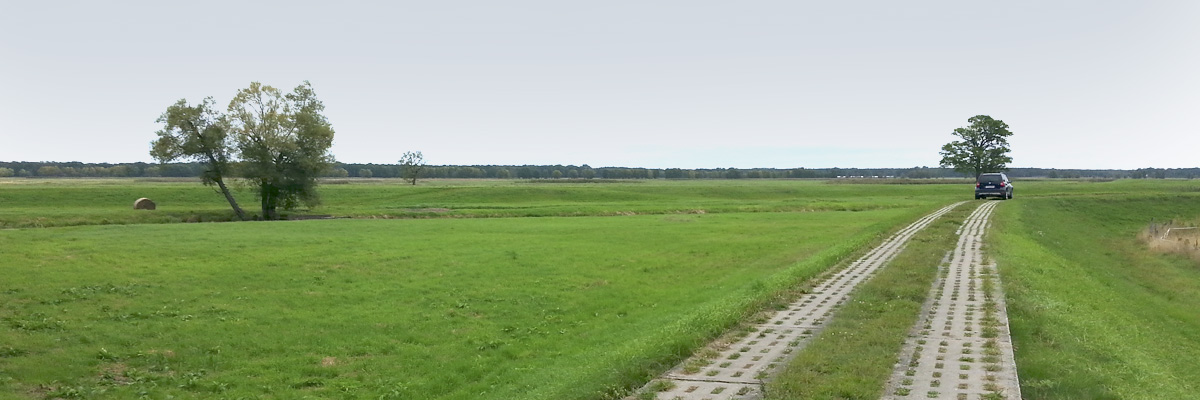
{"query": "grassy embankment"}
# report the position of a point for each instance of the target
(1095, 314)
(580, 307)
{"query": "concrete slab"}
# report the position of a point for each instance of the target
(740, 369)
(960, 347)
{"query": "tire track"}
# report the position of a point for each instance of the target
(960, 347)
(739, 369)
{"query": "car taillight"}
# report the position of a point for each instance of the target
(977, 185)
(1001, 184)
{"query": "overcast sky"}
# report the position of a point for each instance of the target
(691, 84)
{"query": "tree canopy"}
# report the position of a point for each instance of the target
(197, 133)
(281, 142)
(983, 147)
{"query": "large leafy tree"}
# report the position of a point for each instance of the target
(983, 147)
(197, 133)
(283, 141)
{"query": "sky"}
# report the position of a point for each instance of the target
(655, 84)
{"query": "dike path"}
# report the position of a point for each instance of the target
(739, 371)
(959, 348)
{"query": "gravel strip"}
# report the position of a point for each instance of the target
(740, 368)
(960, 348)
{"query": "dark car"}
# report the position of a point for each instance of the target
(993, 185)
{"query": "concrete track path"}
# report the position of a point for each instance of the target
(960, 347)
(742, 367)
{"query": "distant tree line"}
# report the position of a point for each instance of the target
(343, 170)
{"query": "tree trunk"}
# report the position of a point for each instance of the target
(218, 170)
(267, 193)
(232, 203)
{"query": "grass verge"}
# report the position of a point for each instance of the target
(853, 357)
(1094, 313)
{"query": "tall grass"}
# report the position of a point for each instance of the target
(1175, 237)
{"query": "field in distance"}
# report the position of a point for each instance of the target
(61, 202)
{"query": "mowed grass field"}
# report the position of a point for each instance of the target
(444, 308)
(520, 290)
(64, 202)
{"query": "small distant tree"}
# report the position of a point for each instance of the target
(198, 134)
(7, 172)
(364, 173)
(983, 147)
(411, 164)
(556, 174)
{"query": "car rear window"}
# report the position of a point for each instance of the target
(990, 178)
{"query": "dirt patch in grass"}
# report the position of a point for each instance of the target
(40, 391)
(115, 373)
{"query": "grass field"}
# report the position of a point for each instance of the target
(1094, 313)
(454, 308)
(457, 294)
(67, 202)
(64, 202)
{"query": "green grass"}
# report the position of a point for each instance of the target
(65, 202)
(1095, 314)
(580, 307)
(611, 285)
(854, 356)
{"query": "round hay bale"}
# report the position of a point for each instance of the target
(144, 204)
